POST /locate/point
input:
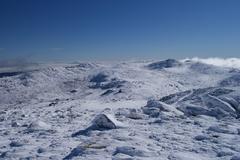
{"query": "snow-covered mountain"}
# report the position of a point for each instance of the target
(169, 109)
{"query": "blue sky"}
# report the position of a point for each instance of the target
(49, 30)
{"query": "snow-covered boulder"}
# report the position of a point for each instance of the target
(38, 126)
(134, 114)
(106, 121)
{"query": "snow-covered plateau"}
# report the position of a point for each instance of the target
(133, 110)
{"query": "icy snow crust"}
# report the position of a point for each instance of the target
(165, 110)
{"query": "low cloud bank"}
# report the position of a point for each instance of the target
(222, 62)
(16, 65)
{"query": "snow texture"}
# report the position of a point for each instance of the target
(136, 110)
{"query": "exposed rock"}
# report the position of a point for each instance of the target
(107, 92)
(9, 74)
(215, 102)
(164, 64)
(100, 77)
(73, 91)
(113, 83)
(154, 107)
(223, 129)
(131, 151)
(15, 124)
(223, 153)
(201, 137)
(16, 144)
(134, 114)
(78, 151)
(41, 150)
(101, 122)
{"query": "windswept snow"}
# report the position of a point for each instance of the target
(163, 110)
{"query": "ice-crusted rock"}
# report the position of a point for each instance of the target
(154, 107)
(152, 112)
(233, 102)
(164, 64)
(194, 110)
(172, 98)
(134, 114)
(101, 122)
(213, 101)
(226, 129)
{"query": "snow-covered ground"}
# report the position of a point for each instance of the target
(164, 110)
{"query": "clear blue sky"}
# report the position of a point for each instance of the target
(119, 29)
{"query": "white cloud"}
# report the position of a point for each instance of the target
(222, 62)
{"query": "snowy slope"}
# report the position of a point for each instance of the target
(167, 109)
